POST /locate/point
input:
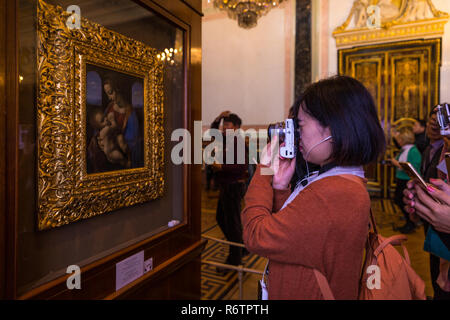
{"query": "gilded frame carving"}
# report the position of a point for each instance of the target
(66, 192)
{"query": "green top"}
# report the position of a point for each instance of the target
(415, 158)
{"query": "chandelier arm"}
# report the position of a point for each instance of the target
(246, 12)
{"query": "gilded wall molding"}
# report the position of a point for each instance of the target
(399, 20)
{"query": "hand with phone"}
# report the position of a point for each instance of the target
(423, 204)
(413, 174)
(395, 163)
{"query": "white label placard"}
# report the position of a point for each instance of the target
(129, 269)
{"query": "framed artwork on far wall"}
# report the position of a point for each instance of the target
(100, 120)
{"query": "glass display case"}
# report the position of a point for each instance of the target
(102, 86)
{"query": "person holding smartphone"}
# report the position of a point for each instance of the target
(323, 224)
(420, 203)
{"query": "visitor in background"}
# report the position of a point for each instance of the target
(420, 204)
(432, 153)
(430, 161)
(231, 180)
(408, 153)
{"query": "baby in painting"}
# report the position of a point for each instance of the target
(112, 142)
(110, 139)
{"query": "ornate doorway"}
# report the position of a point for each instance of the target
(403, 78)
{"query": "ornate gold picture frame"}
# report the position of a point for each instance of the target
(68, 188)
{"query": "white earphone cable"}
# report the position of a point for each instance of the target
(307, 154)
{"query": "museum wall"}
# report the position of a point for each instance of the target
(329, 14)
(247, 70)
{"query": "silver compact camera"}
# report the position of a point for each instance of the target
(288, 134)
(443, 117)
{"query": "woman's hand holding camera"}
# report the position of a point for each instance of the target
(223, 115)
(283, 169)
(419, 203)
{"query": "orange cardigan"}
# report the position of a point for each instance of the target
(324, 228)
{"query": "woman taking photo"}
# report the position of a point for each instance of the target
(323, 224)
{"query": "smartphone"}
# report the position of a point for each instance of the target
(413, 174)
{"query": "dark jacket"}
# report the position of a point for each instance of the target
(231, 172)
(429, 171)
(422, 142)
(429, 168)
(445, 237)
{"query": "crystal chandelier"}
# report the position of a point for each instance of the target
(246, 12)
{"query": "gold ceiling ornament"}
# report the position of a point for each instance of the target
(381, 21)
(246, 12)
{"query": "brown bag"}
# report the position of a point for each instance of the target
(397, 278)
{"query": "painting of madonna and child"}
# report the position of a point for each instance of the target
(114, 120)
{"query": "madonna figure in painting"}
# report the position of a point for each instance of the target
(116, 139)
(126, 121)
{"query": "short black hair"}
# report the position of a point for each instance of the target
(433, 110)
(345, 106)
(234, 119)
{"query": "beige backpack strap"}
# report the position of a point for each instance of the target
(395, 241)
(323, 285)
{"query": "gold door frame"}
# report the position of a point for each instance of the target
(379, 61)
